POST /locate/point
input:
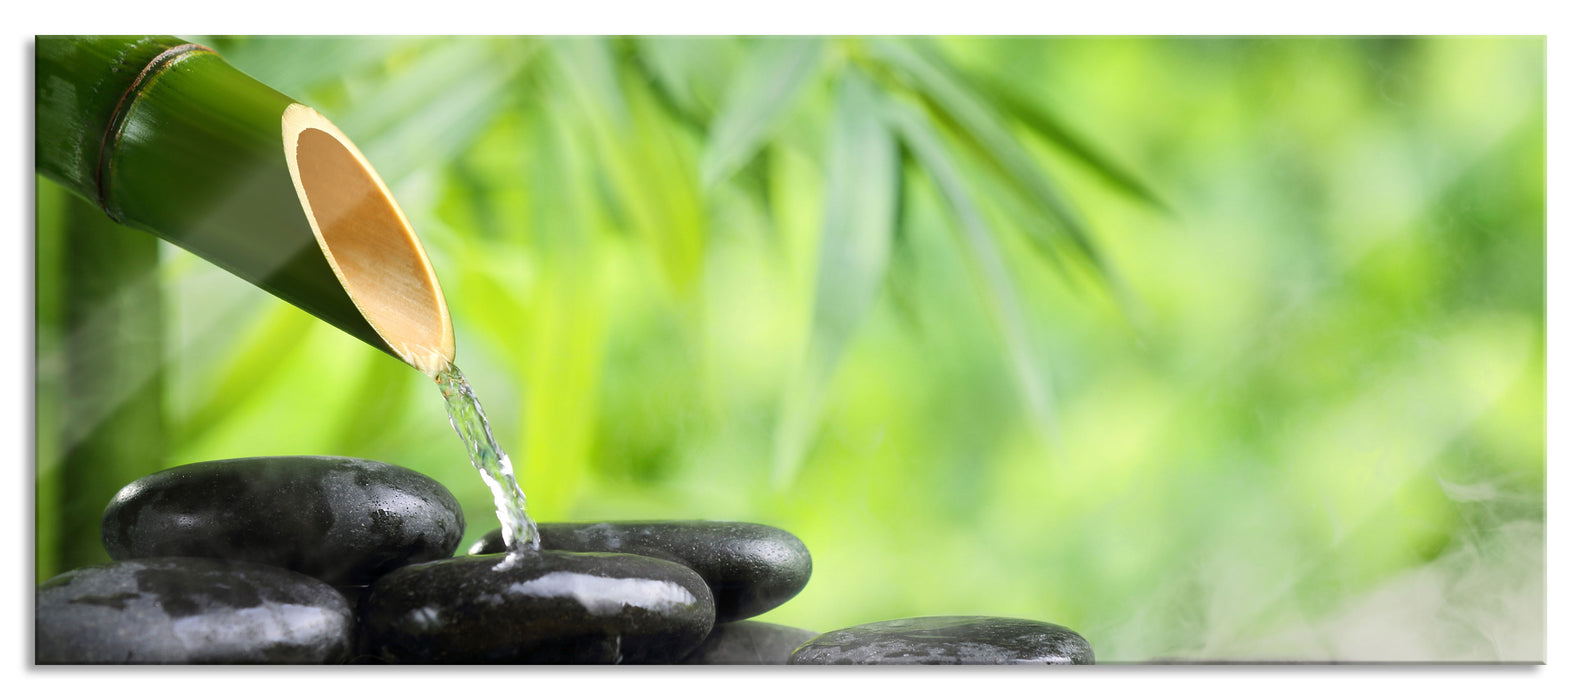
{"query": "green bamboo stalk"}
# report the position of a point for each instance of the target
(166, 137)
(113, 398)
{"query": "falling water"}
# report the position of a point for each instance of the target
(466, 416)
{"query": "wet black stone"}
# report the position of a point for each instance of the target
(545, 607)
(948, 640)
(345, 521)
(750, 568)
(189, 611)
(749, 642)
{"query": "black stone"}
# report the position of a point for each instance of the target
(750, 568)
(540, 607)
(189, 611)
(749, 642)
(948, 640)
(345, 521)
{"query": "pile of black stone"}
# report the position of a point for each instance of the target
(323, 560)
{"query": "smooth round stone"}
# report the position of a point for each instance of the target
(749, 642)
(189, 611)
(750, 568)
(342, 520)
(948, 640)
(540, 607)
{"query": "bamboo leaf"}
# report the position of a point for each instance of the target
(300, 65)
(433, 105)
(686, 70)
(1010, 100)
(762, 93)
(665, 164)
(951, 99)
(646, 165)
(862, 182)
(987, 264)
(413, 86)
(591, 77)
(859, 215)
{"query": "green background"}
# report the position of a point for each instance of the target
(1204, 347)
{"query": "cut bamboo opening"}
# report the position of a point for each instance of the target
(166, 137)
(368, 241)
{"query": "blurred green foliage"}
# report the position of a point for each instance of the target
(1185, 343)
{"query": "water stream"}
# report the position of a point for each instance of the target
(466, 416)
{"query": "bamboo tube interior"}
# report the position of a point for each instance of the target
(368, 241)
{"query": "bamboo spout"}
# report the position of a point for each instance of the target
(367, 241)
(166, 137)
